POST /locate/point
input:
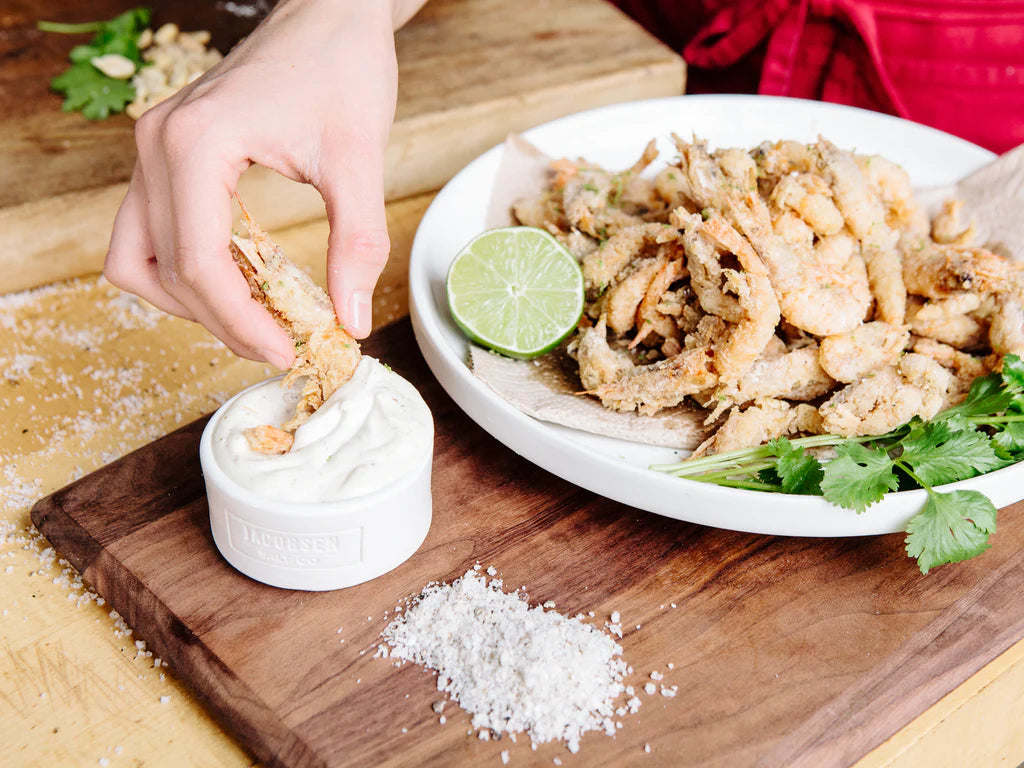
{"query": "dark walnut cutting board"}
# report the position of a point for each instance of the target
(786, 651)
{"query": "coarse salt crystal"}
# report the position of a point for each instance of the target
(650, 688)
(492, 571)
(656, 675)
(513, 667)
(647, 747)
(164, 699)
(615, 617)
(504, 757)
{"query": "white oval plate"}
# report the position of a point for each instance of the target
(614, 136)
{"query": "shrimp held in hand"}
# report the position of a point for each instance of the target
(325, 352)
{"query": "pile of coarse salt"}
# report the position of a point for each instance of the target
(513, 667)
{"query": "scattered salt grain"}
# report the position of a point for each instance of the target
(656, 675)
(647, 747)
(615, 617)
(549, 604)
(442, 719)
(670, 665)
(492, 571)
(513, 667)
(504, 757)
(667, 692)
(650, 689)
(165, 699)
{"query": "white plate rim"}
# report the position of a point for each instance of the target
(549, 447)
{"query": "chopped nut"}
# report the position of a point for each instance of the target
(168, 33)
(114, 65)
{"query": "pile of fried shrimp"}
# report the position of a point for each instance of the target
(789, 289)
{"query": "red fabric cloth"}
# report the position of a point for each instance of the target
(957, 65)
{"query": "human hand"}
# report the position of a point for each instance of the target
(310, 94)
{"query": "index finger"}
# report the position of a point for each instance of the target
(207, 279)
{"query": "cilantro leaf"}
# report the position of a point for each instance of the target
(1013, 373)
(88, 89)
(951, 527)
(798, 471)
(858, 476)
(1010, 439)
(937, 454)
(988, 395)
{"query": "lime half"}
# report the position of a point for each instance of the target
(515, 290)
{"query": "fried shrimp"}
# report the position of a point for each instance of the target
(1006, 334)
(865, 216)
(948, 320)
(599, 363)
(964, 367)
(821, 298)
(935, 270)
(851, 356)
(602, 266)
(763, 421)
(325, 353)
(795, 375)
(948, 228)
(650, 388)
(792, 288)
(888, 398)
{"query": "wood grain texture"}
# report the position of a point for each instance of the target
(470, 71)
(785, 651)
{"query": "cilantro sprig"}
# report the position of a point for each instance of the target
(87, 89)
(983, 433)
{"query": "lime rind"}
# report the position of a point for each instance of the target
(515, 290)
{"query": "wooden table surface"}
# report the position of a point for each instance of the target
(88, 374)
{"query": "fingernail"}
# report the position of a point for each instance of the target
(275, 359)
(359, 309)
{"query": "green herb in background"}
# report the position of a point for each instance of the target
(84, 87)
(983, 433)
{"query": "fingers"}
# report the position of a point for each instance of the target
(201, 273)
(358, 246)
(131, 263)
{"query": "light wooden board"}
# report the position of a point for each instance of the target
(785, 651)
(470, 71)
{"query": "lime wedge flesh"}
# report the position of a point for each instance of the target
(515, 290)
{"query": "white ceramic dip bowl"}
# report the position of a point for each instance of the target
(374, 526)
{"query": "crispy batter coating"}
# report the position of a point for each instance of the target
(324, 352)
(794, 288)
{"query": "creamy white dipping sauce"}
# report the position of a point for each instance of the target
(371, 432)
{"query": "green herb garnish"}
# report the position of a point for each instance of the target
(985, 432)
(87, 89)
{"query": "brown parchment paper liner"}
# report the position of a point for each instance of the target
(993, 199)
(545, 388)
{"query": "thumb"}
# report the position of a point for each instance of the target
(358, 247)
